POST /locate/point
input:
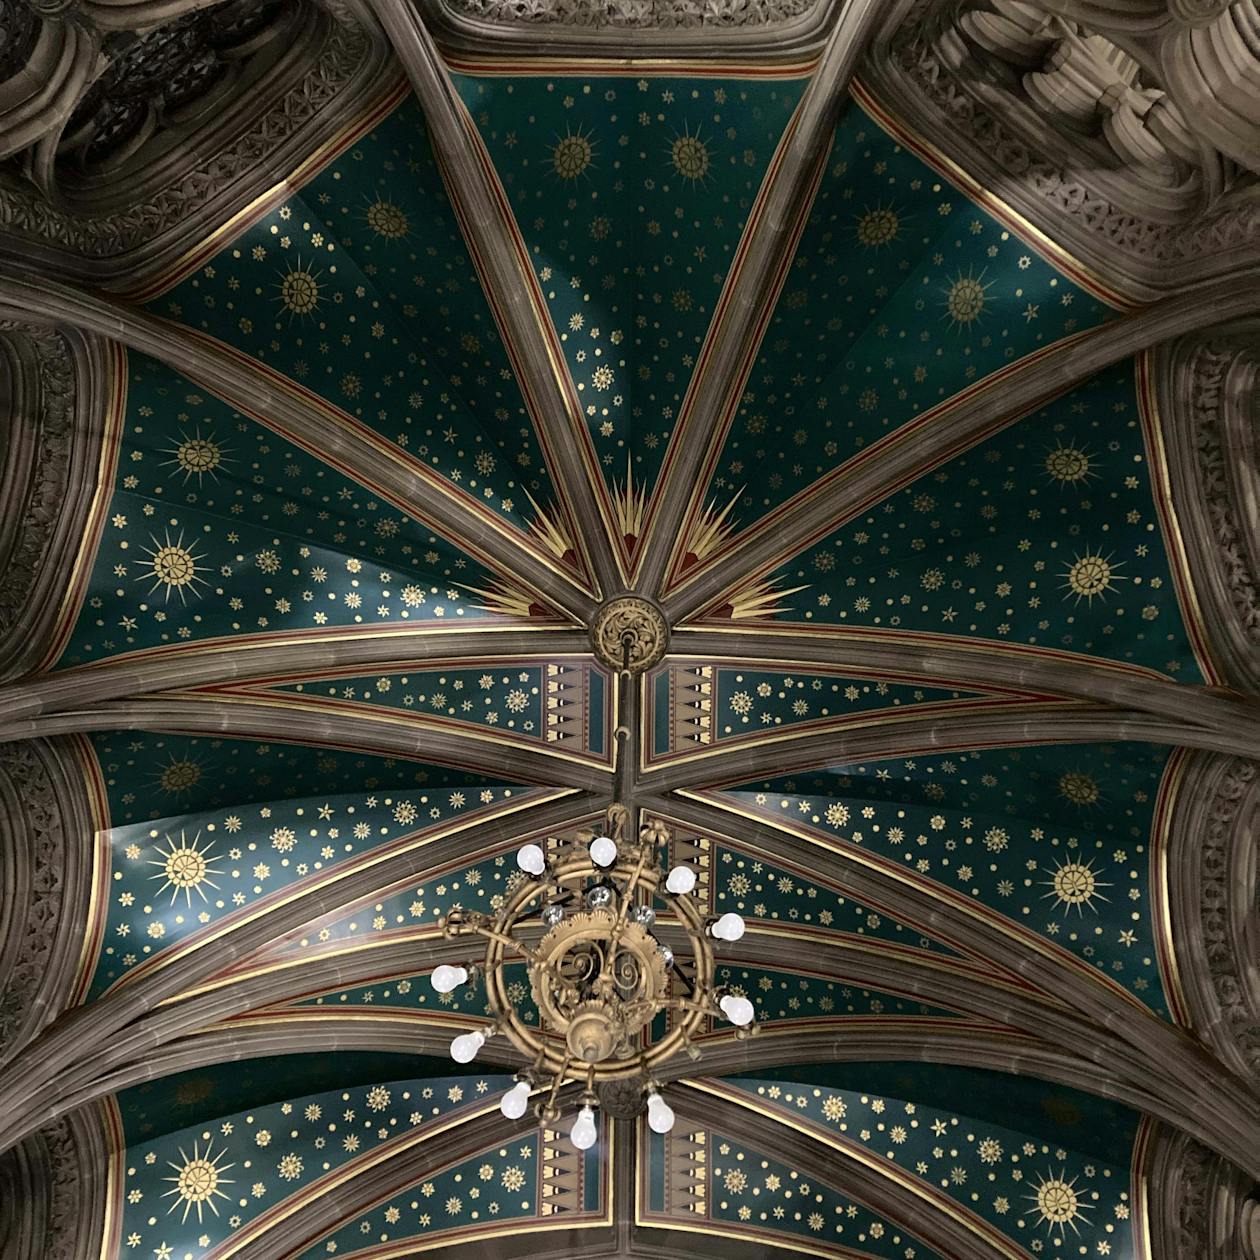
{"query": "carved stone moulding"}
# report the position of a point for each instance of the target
(1199, 1203)
(46, 830)
(54, 389)
(179, 128)
(1077, 132)
(1213, 845)
(1208, 398)
(52, 1195)
(696, 29)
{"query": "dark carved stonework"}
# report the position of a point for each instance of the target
(1212, 885)
(1208, 405)
(623, 1099)
(46, 855)
(637, 14)
(629, 632)
(924, 72)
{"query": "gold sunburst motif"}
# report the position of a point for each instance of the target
(197, 1181)
(174, 566)
(179, 775)
(1075, 884)
(1091, 576)
(1079, 788)
(184, 867)
(761, 600)
(387, 220)
(1058, 1203)
(196, 456)
(880, 225)
(1069, 464)
(711, 529)
(549, 532)
(629, 502)
(502, 600)
(690, 156)
(965, 299)
(572, 154)
(299, 290)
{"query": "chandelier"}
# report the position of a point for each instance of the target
(582, 921)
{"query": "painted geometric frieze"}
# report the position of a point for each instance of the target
(218, 528)
(1054, 1171)
(53, 406)
(245, 824)
(694, 706)
(1205, 390)
(564, 704)
(1056, 532)
(904, 291)
(1062, 841)
(137, 144)
(630, 195)
(357, 287)
(1064, 116)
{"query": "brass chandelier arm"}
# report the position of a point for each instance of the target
(76, 1047)
(770, 237)
(1218, 1107)
(184, 666)
(885, 466)
(389, 471)
(508, 281)
(963, 664)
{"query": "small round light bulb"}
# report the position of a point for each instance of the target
(644, 915)
(660, 1114)
(603, 851)
(446, 979)
(584, 1132)
(682, 879)
(464, 1048)
(739, 1010)
(730, 927)
(514, 1102)
(531, 859)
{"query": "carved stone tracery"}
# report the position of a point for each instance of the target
(636, 14)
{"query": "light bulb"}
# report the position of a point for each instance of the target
(531, 859)
(603, 851)
(667, 956)
(464, 1048)
(584, 1132)
(514, 1102)
(730, 927)
(599, 897)
(446, 978)
(552, 914)
(739, 1010)
(644, 915)
(682, 879)
(660, 1114)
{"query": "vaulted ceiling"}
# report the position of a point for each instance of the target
(902, 357)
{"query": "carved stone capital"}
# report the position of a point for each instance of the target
(108, 193)
(1213, 841)
(52, 1191)
(1199, 1204)
(1127, 186)
(46, 843)
(1208, 397)
(54, 387)
(779, 29)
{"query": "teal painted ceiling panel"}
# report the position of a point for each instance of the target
(1049, 534)
(1057, 838)
(219, 528)
(631, 196)
(902, 292)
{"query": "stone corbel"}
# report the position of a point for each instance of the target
(1208, 398)
(52, 1191)
(54, 387)
(1213, 845)
(46, 830)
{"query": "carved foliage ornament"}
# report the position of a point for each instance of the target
(629, 633)
(635, 14)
